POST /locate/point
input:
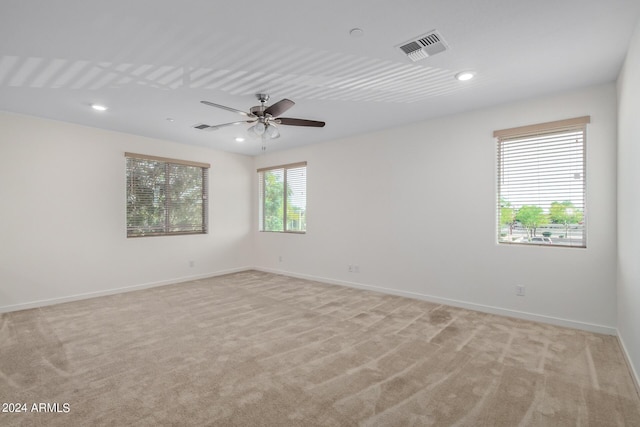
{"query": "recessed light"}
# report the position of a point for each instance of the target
(169, 119)
(98, 107)
(356, 32)
(239, 139)
(463, 76)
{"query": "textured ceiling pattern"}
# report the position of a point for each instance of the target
(152, 61)
(315, 76)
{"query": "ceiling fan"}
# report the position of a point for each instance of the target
(264, 118)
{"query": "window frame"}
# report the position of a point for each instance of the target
(168, 163)
(538, 132)
(261, 199)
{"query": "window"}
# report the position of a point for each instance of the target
(283, 198)
(166, 196)
(542, 184)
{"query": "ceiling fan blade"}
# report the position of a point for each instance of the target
(216, 127)
(300, 122)
(202, 126)
(234, 123)
(279, 107)
(227, 108)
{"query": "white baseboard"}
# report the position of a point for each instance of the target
(627, 358)
(456, 303)
(76, 297)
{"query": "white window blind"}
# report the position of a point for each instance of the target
(282, 194)
(542, 184)
(166, 196)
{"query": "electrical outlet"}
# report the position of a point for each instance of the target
(520, 290)
(356, 269)
(192, 263)
(350, 268)
(280, 258)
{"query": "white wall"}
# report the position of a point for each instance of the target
(414, 208)
(63, 214)
(629, 203)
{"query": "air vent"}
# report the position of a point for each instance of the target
(424, 46)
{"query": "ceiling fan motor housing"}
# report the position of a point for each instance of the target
(258, 110)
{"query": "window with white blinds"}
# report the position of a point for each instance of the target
(542, 184)
(282, 194)
(166, 196)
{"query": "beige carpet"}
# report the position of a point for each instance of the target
(257, 349)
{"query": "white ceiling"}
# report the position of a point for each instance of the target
(150, 60)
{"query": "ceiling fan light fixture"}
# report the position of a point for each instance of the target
(272, 132)
(252, 133)
(258, 128)
(255, 131)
